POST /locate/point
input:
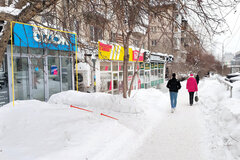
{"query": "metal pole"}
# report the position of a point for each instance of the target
(223, 52)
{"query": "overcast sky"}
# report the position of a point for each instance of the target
(231, 39)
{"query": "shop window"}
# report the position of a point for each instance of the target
(115, 81)
(106, 84)
(152, 72)
(105, 66)
(120, 67)
(130, 66)
(115, 66)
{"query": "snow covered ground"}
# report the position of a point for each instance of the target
(145, 129)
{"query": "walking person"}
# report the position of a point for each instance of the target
(197, 79)
(173, 85)
(191, 87)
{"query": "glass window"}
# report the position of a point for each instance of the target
(142, 76)
(105, 79)
(115, 66)
(130, 66)
(37, 78)
(105, 66)
(53, 75)
(120, 66)
(121, 76)
(4, 99)
(67, 74)
(21, 78)
(115, 80)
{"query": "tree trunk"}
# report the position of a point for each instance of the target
(125, 64)
(125, 70)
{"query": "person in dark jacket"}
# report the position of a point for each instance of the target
(173, 85)
(197, 78)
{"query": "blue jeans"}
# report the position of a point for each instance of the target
(173, 98)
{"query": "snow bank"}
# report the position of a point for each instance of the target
(46, 131)
(222, 115)
(97, 101)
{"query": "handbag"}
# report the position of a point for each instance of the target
(196, 98)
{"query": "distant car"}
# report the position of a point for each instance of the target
(233, 75)
(234, 79)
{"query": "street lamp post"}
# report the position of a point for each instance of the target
(223, 53)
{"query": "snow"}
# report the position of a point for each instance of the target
(10, 10)
(145, 128)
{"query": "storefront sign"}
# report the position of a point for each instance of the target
(116, 52)
(147, 66)
(152, 65)
(156, 58)
(135, 56)
(141, 65)
(36, 37)
(160, 65)
(110, 52)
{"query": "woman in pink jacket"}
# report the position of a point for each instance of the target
(191, 87)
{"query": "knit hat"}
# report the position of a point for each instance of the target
(191, 75)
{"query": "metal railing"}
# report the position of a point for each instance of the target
(226, 83)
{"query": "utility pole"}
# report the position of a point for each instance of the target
(223, 52)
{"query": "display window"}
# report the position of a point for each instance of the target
(105, 66)
(106, 84)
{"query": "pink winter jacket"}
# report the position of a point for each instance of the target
(192, 84)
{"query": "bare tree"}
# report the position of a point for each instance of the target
(25, 10)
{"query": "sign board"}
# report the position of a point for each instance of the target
(135, 54)
(156, 58)
(152, 65)
(54, 70)
(36, 37)
(141, 65)
(110, 52)
(160, 65)
(116, 52)
(147, 66)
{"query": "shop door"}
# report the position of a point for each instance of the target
(37, 78)
(115, 84)
(21, 78)
(147, 78)
(54, 84)
(66, 73)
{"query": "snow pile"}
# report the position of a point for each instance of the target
(222, 118)
(101, 101)
(46, 131)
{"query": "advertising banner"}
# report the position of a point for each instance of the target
(54, 70)
(135, 54)
(116, 52)
(110, 52)
(36, 37)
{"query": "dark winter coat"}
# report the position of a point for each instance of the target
(173, 85)
(197, 79)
